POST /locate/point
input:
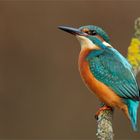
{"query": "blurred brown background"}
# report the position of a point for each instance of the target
(41, 93)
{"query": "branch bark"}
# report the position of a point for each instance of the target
(104, 125)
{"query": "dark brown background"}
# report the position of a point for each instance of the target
(41, 92)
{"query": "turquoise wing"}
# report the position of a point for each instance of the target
(111, 68)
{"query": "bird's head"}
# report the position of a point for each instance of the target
(90, 36)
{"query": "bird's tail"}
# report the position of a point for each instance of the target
(132, 109)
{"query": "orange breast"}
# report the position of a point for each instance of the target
(103, 92)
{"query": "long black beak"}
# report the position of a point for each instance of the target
(71, 30)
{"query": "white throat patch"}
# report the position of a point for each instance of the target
(86, 43)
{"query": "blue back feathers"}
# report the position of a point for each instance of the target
(112, 69)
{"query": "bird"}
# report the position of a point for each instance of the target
(106, 72)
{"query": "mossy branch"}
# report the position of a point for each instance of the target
(105, 129)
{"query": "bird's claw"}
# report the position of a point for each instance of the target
(102, 109)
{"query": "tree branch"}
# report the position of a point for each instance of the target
(104, 123)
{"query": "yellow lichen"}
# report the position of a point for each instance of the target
(134, 53)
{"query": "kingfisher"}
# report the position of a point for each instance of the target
(106, 72)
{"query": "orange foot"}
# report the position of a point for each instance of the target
(105, 107)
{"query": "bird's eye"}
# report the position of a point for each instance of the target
(92, 32)
(89, 32)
